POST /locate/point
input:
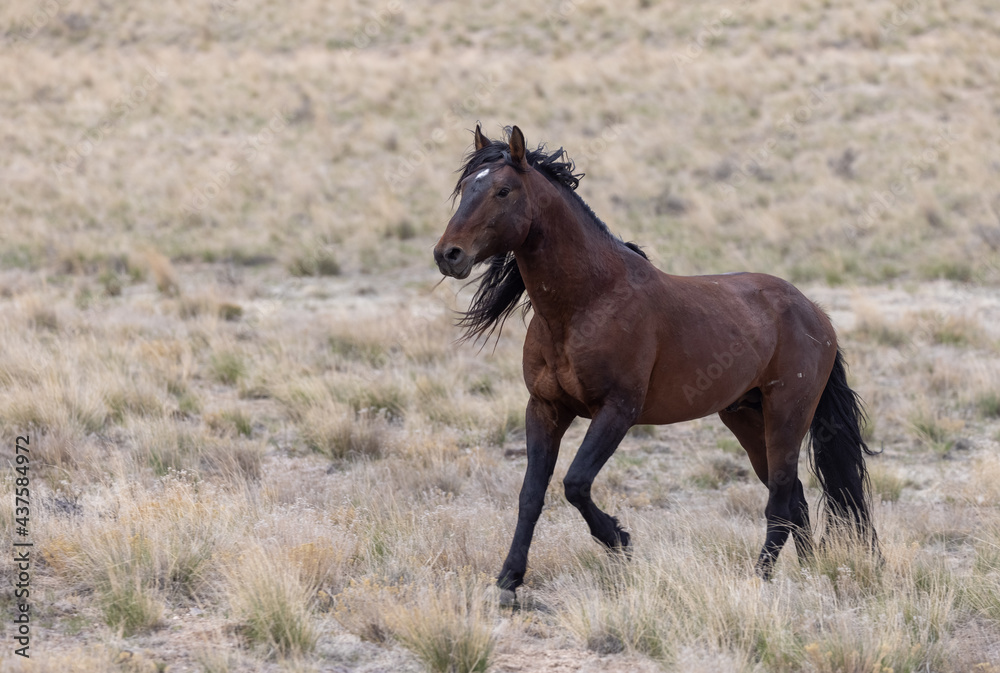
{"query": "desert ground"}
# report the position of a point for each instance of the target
(256, 443)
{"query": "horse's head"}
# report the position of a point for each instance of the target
(493, 215)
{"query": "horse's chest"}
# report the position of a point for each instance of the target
(559, 379)
(563, 372)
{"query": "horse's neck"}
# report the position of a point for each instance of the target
(567, 261)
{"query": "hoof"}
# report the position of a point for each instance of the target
(625, 547)
(764, 573)
(622, 547)
(508, 599)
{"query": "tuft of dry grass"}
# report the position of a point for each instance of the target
(129, 606)
(983, 595)
(934, 430)
(164, 275)
(886, 483)
(959, 331)
(339, 433)
(719, 471)
(228, 367)
(988, 404)
(364, 608)
(272, 604)
(314, 262)
(449, 627)
(871, 326)
(232, 422)
(984, 485)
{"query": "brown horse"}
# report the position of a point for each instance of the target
(615, 340)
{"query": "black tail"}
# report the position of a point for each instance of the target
(838, 454)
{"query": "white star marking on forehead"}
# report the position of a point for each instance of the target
(483, 173)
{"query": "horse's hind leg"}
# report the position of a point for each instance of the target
(747, 423)
(606, 431)
(787, 510)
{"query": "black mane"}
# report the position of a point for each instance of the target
(501, 286)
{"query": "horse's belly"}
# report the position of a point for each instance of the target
(657, 412)
(694, 394)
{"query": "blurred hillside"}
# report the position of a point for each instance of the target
(839, 142)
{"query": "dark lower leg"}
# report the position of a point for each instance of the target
(604, 527)
(777, 535)
(787, 513)
(802, 531)
(544, 427)
(529, 509)
(606, 431)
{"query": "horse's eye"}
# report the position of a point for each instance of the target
(504, 191)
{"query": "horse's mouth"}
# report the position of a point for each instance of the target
(460, 271)
(464, 273)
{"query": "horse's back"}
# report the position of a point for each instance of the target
(722, 335)
(749, 297)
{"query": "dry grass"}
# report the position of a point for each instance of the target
(689, 145)
(450, 628)
(253, 431)
(272, 605)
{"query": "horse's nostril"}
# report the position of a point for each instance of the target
(454, 254)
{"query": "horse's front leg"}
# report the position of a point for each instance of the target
(607, 430)
(544, 425)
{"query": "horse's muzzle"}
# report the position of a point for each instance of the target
(453, 262)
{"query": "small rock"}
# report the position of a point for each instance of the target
(962, 444)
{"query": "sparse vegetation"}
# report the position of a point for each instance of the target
(228, 367)
(256, 439)
(988, 404)
(319, 262)
(449, 628)
(340, 434)
(272, 605)
(718, 472)
(886, 484)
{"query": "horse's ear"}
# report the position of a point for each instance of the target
(481, 140)
(517, 147)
